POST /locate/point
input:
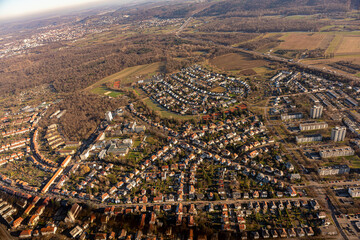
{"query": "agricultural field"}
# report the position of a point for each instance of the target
(302, 41)
(349, 45)
(341, 46)
(239, 64)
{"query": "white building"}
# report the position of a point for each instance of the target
(308, 138)
(354, 192)
(338, 133)
(108, 116)
(316, 111)
(313, 126)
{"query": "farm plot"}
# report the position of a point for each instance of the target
(349, 45)
(310, 41)
(234, 61)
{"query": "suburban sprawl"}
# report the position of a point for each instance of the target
(182, 120)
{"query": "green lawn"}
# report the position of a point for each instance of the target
(334, 44)
(128, 75)
(354, 161)
(163, 113)
(105, 91)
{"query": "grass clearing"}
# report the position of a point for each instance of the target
(354, 161)
(334, 44)
(164, 113)
(128, 75)
(105, 91)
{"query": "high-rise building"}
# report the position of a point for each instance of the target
(338, 133)
(316, 111)
(109, 116)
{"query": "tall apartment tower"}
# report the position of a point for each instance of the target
(108, 116)
(338, 133)
(316, 111)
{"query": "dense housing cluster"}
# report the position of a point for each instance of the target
(195, 90)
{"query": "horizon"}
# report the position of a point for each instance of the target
(18, 9)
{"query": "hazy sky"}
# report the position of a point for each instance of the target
(14, 8)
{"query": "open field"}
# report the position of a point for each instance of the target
(310, 41)
(128, 75)
(339, 43)
(102, 90)
(349, 45)
(352, 161)
(218, 89)
(324, 62)
(345, 46)
(235, 61)
(334, 44)
(163, 113)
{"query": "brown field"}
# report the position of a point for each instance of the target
(310, 41)
(218, 89)
(235, 61)
(349, 45)
(324, 62)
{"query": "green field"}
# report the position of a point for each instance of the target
(354, 161)
(334, 44)
(128, 75)
(163, 113)
(105, 91)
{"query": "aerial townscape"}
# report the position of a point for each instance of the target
(196, 119)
